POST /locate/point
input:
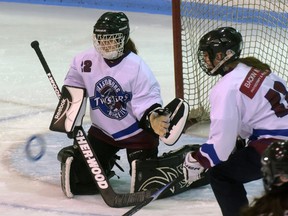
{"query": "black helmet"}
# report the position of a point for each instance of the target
(275, 163)
(111, 23)
(225, 40)
(110, 34)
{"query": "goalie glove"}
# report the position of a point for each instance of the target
(159, 121)
(179, 110)
(192, 169)
(169, 122)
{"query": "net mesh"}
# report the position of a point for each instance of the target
(263, 25)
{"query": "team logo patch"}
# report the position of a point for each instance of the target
(252, 82)
(110, 99)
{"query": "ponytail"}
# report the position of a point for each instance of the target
(130, 46)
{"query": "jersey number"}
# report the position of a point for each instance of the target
(274, 98)
(86, 66)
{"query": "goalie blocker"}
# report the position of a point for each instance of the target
(70, 110)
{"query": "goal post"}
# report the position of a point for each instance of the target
(262, 23)
(176, 25)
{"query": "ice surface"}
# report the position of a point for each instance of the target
(28, 102)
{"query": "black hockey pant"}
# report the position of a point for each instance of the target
(227, 179)
(81, 181)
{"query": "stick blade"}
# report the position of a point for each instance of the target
(153, 197)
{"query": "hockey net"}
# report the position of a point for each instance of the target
(262, 23)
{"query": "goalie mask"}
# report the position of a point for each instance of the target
(222, 44)
(110, 34)
(275, 167)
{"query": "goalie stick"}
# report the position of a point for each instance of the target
(153, 197)
(111, 198)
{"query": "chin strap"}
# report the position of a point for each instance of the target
(229, 55)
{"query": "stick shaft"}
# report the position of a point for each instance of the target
(35, 46)
(154, 196)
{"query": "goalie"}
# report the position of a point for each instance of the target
(125, 105)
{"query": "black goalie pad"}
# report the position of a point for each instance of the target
(156, 173)
(70, 110)
(179, 110)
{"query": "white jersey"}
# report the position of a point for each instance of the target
(119, 93)
(247, 103)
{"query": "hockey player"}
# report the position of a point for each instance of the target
(248, 100)
(124, 101)
(275, 178)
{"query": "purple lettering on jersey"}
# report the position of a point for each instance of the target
(252, 82)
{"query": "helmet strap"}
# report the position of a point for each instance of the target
(229, 55)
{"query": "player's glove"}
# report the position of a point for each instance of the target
(159, 121)
(192, 169)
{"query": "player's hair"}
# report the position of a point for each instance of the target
(252, 62)
(130, 46)
(275, 200)
(268, 205)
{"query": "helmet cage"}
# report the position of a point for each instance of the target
(110, 34)
(201, 60)
(110, 46)
(216, 68)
